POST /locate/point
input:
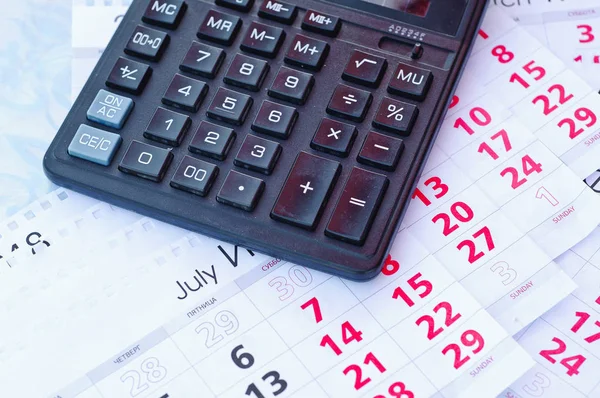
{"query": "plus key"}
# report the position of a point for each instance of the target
(306, 191)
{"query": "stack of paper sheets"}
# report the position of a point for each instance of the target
(96, 301)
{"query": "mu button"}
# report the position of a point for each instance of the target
(306, 191)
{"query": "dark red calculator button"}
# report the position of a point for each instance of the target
(318, 22)
(263, 40)
(278, 11)
(365, 69)
(258, 154)
(146, 161)
(349, 103)
(307, 52)
(240, 5)
(167, 127)
(357, 207)
(306, 191)
(202, 59)
(291, 85)
(212, 140)
(185, 93)
(241, 191)
(410, 82)
(194, 176)
(246, 72)
(219, 27)
(147, 43)
(229, 106)
(275, 120)
(334, 137)
(128, 75)
(165, 13)
(395, 116)
(381, 151)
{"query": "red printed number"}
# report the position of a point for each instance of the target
(484, 147)
(359, 382)
(549, 107)
(349, 334)
(415, 285)
(477, 115)
(435, 183)
(572, 363)
(398, 390)
(586, 34)
(469, 338)
(504, 56)
(460, 211)
(390, 266)
(583, 318)
(432, 332)
(475, 255)
(583, 115)
(528, 165)
(535, 72)
(314, 303)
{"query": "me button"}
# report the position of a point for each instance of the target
(95, 145)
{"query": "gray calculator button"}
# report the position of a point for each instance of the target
(95, 145)
(110, 109)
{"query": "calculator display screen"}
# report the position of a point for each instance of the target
(415, 7)
(442, 16)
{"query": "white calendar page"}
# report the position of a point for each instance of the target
(565, 342)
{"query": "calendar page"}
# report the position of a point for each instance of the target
(301, 326)
(565, 341)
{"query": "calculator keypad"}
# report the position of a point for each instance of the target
(307, 111)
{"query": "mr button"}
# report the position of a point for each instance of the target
(410, 82)
(94, 145)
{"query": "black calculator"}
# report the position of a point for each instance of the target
(297, 128)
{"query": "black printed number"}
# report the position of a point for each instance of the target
(276, 381)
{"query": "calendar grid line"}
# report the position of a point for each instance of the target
(192, 367)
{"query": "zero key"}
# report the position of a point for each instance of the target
(357, 207)
(306, 191)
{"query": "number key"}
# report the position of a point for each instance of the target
(185, 93)
(246, 72)
(167, 127)
(202, 59)
(291, 85)
(146, 161)
(258, 154)
(229, 106)
(194, 176)
(275, 120)
(212, 140)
